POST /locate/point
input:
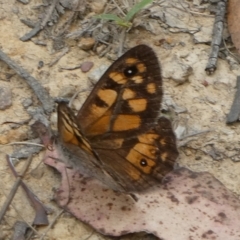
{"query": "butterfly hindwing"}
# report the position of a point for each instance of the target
(138, 162)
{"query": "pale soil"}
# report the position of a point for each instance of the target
(206, 106)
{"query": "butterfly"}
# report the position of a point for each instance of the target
(118, 135)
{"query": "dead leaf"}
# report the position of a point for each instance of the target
(186, 206)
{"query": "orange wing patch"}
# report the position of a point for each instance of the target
(138, 105)
(146, 150)
(137, 79)
(148, 138)
(100, 126)
(128, 94)
(151, 88)
(164, 156)
(141, 67)
(69, 130)
(131, 60)
(126, 122)
(139, 160)
(118, 77)
(109, 96)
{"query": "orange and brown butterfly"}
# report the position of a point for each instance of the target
(117, 135)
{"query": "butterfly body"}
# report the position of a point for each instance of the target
(117, 135)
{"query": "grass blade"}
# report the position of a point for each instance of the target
(136, 8)
(109, 17)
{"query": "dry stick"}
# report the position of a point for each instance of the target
(236, 57)
(184, 140)
(71, 68)
(108, 48)
(65, 50)
(217, 37)
(89, 235)
(49, 13)
(19, 230)
(121, 42)
(75, 95)
(14, 188)
(28, 23)
(41, 93)
(32, 33)
(51, 224)
(41, 216)
(234, 113)
(119, 9)
(25, 143)
(67, 23)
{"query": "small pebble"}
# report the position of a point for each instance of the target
(86, 66)
(86, 43)
(40, 64)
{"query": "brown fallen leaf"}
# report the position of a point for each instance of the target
(186, 206)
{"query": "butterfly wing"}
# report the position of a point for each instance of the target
(127, 98)
(117, 131)
(139, 162)
(75, 150)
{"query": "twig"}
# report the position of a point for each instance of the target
(65, 50)
(41, 93)
(28, 23)
(119, 9)
(121, 42)
(236, 57)
(75, 95)
(71, 68)
(14, 188)
(32, 33)
(67, 23)
(234, 113)
(24, 143)
(108, 48)
(41, 216)
(89, 235)
(51, 224)
(186, 139)
(217, 37)
(49, 13)
(20, 229)
(89, 28)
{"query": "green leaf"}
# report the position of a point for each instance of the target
(136, 8)
(124, 23)
(109, 17)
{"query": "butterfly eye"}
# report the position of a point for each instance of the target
(130, 71)
(143, 162)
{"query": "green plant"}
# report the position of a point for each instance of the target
(126, 21)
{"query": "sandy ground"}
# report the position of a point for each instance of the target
(206, 108)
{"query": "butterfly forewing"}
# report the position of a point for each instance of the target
(127, 97)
